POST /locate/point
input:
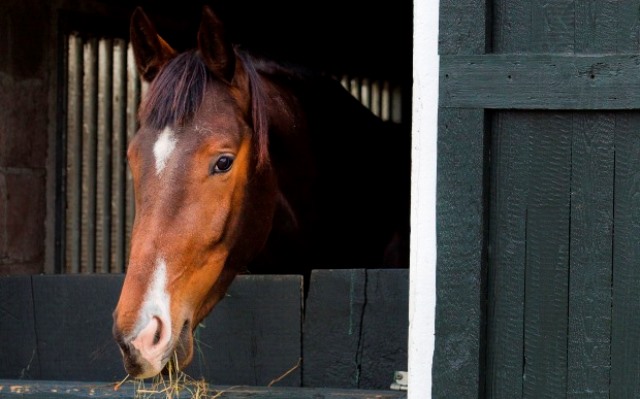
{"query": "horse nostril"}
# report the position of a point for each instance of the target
(158, 334)
(123, 346)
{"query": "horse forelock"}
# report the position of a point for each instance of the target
(178, 91)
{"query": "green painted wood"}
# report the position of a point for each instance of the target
(254, 335)
(607, 26)
(73, 318)
(552, 26)
(540, 81)
(547, 255)
(385, 332)
(589, 343)
(511, 19)
(567, 26)
(21, 389)
(464, 27)
(506, 268)
(625, 334)
(559, 280)
(458, 360)
(458, 356)
(18, 339)
(333, 328)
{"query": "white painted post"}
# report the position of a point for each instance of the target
(422, 288)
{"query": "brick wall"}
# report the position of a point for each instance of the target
(24, 124)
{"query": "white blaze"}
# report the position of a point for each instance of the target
(156, 299)
(163, 148)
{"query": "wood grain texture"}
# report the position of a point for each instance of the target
(625, 334)
(254, 335)
(458, 357)
(333, 328)
(592, 176)
(541, 81)
(385, 332)
(547, 255)
(566, 26)
(62, 330)
(506, 261)
(73, 323)
(464, 27)
(18, 339)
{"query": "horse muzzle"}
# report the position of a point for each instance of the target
(147, 353)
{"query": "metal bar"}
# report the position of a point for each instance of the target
(105, 134)
(396, 104)
(120, 149)
(74, 155)
(385, 102)
(61, 146)
(375, 98)
(91, 131)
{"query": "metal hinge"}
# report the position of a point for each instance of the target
(400, 381)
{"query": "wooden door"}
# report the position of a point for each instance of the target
(538, 200)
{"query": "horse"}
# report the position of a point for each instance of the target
(243, 164)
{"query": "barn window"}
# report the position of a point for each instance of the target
(99, 94)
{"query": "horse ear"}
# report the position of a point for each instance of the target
(216, 51)
(150, 50)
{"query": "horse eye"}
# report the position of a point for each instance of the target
(223, 164)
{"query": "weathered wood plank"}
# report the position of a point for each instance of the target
(625, 334)
(464, 27)
(254, 335)
(73, 323)
(458, 359)
(505, 281)
(547, 255)
(333, 328)
(385, 325)
(540, 81)
(511, 26)
(552, 26)
(18, 344)
(22, 389)
(606, 26)
(355, 328)
(591, 253)
(63, 330)
(567, 26)
(458, 356)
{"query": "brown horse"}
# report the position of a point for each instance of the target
(243, 164)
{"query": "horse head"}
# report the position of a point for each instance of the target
(204, 189)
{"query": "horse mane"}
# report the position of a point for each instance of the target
(178, 91)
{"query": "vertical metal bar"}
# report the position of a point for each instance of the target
(365, 93)
(105, 134)
(385, 102)
(74, 155)
(119, 154)
(91, 125)
(396, 104)
(62, 98)
(375, 97)
(355, 88)
(344, 81)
